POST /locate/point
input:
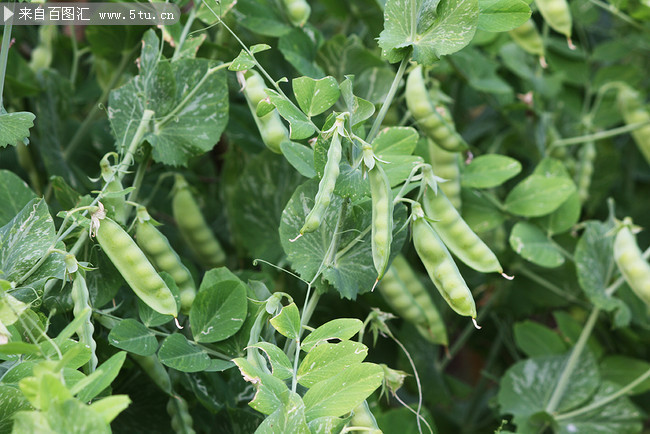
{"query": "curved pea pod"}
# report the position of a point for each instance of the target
(409, 299)
(457, 235)
(557, 15)
(441, 266)
(157, 248)
(272, 130)
(182, 422)
(445, 165)
(382, 218)
(298, 11)
(630, 105)
(193, 226)
(435, 122)
(630, 262)
(529, 39)
(135, 268)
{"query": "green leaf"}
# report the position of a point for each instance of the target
(218, 311)
(488, 171)
(299, 48)
(111, 406)
(328, 424)
(280, 364)
(242, 62)
(102, 377)
(395, 146)
(479, 212)
(14, 195)
(571, 328)
(176, 352)
(261, 17)
(12, 402)
(290, 418)
(359, 108)
(341, 329)
(14, 127)
(287, 322)
(534, 339)
(622, 370)
(438, 28)
(74, 417)
(502, 15)
(300, 127)
(300, 157)
(563, 218)
(326, 360)
(343, 392)
(315, 96)
(272, 393)
(594, 257)
(130, 335)
(352, 272)
(533, 245)
(538, 195)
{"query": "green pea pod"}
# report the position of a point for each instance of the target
(81, 299)
(382, 218)
(436, 123)
(155, 370)
(586, 155)
(362, 417)
(557, 15)
(529, 39)
(298, 11)
(115, 206)
(440, 266)
(629, 259)
(194, 228)
(457, 235)
(409, 299)
(135, 268)
(271, 127)
(180, 415)
(445, 165)
(161, 254)
(630, 105)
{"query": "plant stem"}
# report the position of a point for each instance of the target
(4, 54)
(607, 399)
(563, 381)
(599, 136)
(545, 283)
(389, 99)
(307, 312)
(186, 30)
(615, 11)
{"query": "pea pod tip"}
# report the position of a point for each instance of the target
(478, 327)
(505, 276)
(178, 325)
(295, 239)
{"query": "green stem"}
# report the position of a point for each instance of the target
(563, 381)
(605, 400)
(600, 135)
(4, 54)
(615, 11)
(186, 30)
(389, 99)
(307, 312)
(544, 283)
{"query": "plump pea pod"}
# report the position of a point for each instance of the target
(437, 126)
(115, 206)
(325, 187)
(409, 299)
(135, 268)
(440, 266)
(445, 165)
(193, 226)
(631, 106)
(298, 11)
(557, 15)
(586, 156)
(529, 39)
(272, 130)
(181, 418)
(362, 417)
(161, 254)
(81, 301)
(630, 262)
(155, 370)
(382, 218)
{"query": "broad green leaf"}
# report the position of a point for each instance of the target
(359, 108)
(534, 339)
(10, 307)
(343, 392)
(130, 335)
(14, 195)
(594, 257)
(75, 354)
(287, 322)
(12, 402)
(623, 370)
(327, 360)
(19, 348)
(479, 212)
(176, 352)
(111, 406)
(395, 146)
(432, 29)
(300, 127)
(532, 244)
(563, 218)
(300, 157)
(31, 422)
(299, 48)
(242, 62)
(487, 171)
(218, 311)
(352, 271)
(571, 328)
(211, 9)
(290, 418)
(272, 393)
(261, 17)
(341, 329)
(75, 417)
(14, 127)
(502, 15)
(315, 96)
(102, 377)
(65, 195)
(328, 424)
(538, 195)
(483, 73)
(280, 364)
(527, 385)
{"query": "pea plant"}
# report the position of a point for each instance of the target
(321, 216)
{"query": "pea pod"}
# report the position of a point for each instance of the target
(157, 248)
(180, 415)
(630, 105)
(298, 11)
(436, 123)
(382, 218)
(270, 125)
(557, 15)
(409, 299)
(135, 268)
(440, 266)
(193, 226)
(457, 235)
(586, 155)
(445, 165)
(362, 417)
(81, 299)
(529, 39)
(629, 259)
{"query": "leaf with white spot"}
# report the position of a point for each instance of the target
(14, 127)
(327, 360)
